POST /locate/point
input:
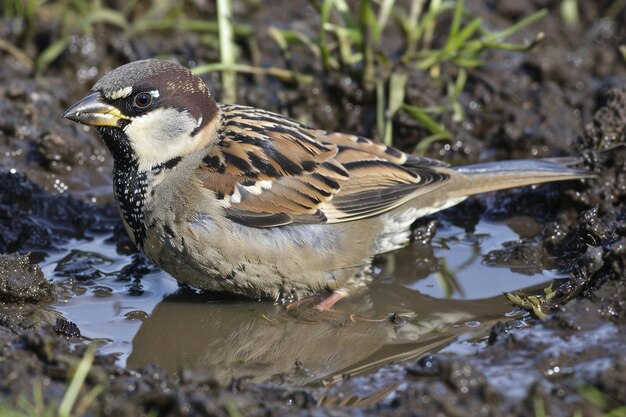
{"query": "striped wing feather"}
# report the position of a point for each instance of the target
(267, 170)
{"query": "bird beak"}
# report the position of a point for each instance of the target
(92, 111)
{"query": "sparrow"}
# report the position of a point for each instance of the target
(241, 200)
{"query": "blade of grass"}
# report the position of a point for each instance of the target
(370, 34)
(144, 24)
(468, 63)
(438, 131)
(322, 41)
(232, 410)
(103, 15)
(346, 45)
(346, 15)
(280, 73)
(459, 7)
(435, 9)
(617, 412)
(412, 34)
(380, 107)
(517, 26)
(88, 399)
(424, 29)
(454, 91)
(38, 395)
(481, 45)
(397, 89)
(457, 41)
(569, 12)
(383, 16)
(69, 399)
(427, 142)
(280, 37)
(448, 281)
(284, 38)
(49, 54)
(539, 407)
(16, 53)
(614, 9)
(227, 50)
(428, 122)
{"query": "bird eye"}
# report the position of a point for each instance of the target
(143, 99)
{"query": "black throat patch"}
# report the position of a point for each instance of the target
(130, 186)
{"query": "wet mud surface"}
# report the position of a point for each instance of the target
(432, 334)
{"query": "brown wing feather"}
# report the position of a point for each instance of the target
(270, 171)
(373, 148)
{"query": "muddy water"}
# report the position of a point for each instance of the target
(422, 299)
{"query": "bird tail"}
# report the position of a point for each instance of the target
(493, 176)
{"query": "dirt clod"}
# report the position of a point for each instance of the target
(22, 282)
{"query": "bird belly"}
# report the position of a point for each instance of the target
(286, 263)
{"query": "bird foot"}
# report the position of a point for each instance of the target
(324, 305)
(331, 300)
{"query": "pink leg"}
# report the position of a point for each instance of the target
(331, 300)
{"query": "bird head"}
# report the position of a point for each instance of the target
(149, 111)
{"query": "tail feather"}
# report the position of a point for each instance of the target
(493, 176)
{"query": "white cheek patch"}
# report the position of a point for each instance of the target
(160, 135)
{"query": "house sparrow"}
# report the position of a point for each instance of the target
(241, 200)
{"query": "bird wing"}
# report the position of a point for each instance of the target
(267, 170)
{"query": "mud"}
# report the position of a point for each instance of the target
(431, 336)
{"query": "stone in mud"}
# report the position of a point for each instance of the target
(21, 282)
(66, 328)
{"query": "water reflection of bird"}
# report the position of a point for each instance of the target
(267, 342)
(237, 199)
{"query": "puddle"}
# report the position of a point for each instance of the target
(422, 298)
(104, 308)
(464, 266)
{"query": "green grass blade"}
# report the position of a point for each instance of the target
(569, 12)
(88, 399)
(227, 50)
(517, 26)
(112, 17)
(427, 121)
(281, 37)
(51, 53)
(370, 35)
(458, 41)
(280, 73)
(69, 399)
(397, 89)
(459, 8)
(380, 108)
(368, 24)
(427, 142)
(468, 62)
(284, 38)
(384, 13)
(144, 24)
(346, 15)
(322, 41)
